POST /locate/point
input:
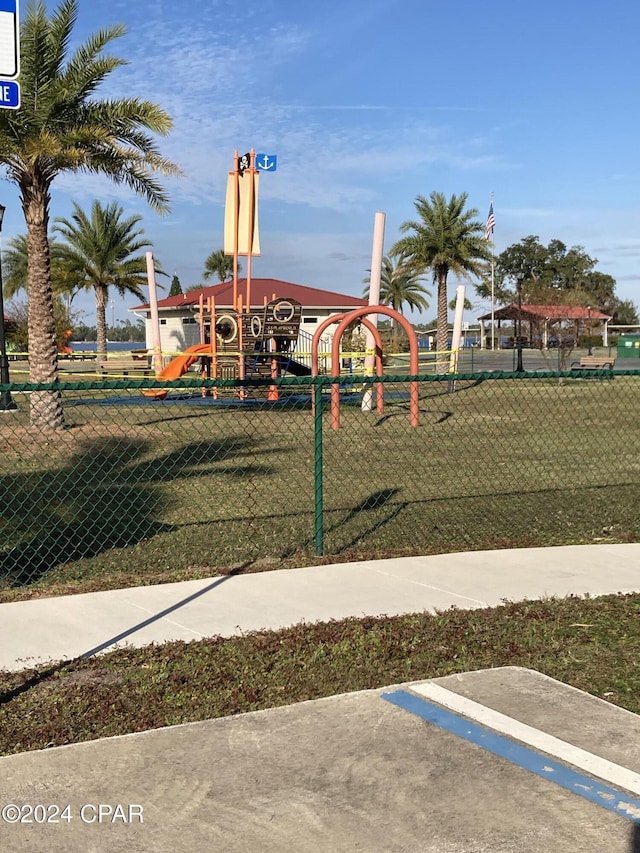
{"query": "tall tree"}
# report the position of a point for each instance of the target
(62, 126)
(220, 265)
(176, 287)
(552, 274)
(446, 238)
(15, 270)
(400, 285)
(103, 249)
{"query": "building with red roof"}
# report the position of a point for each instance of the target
(178, 315)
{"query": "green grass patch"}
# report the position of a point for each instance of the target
(136, 492)
(592, 644)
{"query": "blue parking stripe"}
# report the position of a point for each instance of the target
(541, 765)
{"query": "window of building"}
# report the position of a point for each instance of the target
(310, 320)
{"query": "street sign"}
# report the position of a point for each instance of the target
(9, 95)
(9, 39)
(264, 162)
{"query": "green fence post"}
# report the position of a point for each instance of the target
(318, 484)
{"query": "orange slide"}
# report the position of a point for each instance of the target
(177, 368)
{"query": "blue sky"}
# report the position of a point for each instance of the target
(368, 104)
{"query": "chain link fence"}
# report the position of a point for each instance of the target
(220, 475)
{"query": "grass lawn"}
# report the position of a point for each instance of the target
(135, 491)
(592, 644)
(138, 492)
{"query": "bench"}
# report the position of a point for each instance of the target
(594, 362)
(78, 356)
(125, 366)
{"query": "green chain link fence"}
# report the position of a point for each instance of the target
(203, 482)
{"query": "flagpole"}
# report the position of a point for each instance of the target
(251, 175)
(493, 301)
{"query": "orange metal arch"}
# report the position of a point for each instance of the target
(335, 358)
(336, 318)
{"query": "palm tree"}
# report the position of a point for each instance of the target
(15, 270)
(102, 249)
(400, 285)
(447, 238)
(219, 264)
(62, 126)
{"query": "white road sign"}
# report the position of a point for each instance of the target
(9, 39)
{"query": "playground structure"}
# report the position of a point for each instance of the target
(241, 344)
(259, 345)
(337, 318)
(63, 346)
(360, 314)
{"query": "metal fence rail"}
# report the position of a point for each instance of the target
(221, 473)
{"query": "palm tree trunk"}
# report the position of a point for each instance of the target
(442, 337)
(46, 406)
(101, 319)
(395, 329)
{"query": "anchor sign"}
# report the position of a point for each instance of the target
(266, 162)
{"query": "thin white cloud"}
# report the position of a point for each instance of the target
(222, 83)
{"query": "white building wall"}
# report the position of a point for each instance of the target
(176, 334)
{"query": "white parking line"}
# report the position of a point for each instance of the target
(606, 770)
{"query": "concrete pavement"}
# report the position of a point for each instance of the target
(51, 629)
(362, 771)
(336, 775)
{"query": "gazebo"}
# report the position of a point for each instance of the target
(540, 317)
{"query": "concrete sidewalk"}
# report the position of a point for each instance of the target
(52, 629)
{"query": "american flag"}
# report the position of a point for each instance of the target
(491, 224)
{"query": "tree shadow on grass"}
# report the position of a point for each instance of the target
(375, 501)
(105, 497)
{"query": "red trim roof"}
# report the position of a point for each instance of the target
(548, 312)
(261, 289)
(566, 312)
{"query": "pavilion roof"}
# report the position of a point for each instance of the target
(546, 312)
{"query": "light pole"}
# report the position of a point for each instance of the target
(589, 352)
(519, 280)
(6, 403)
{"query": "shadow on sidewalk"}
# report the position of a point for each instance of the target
(47, 673)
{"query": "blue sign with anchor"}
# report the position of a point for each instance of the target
(266, 162)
